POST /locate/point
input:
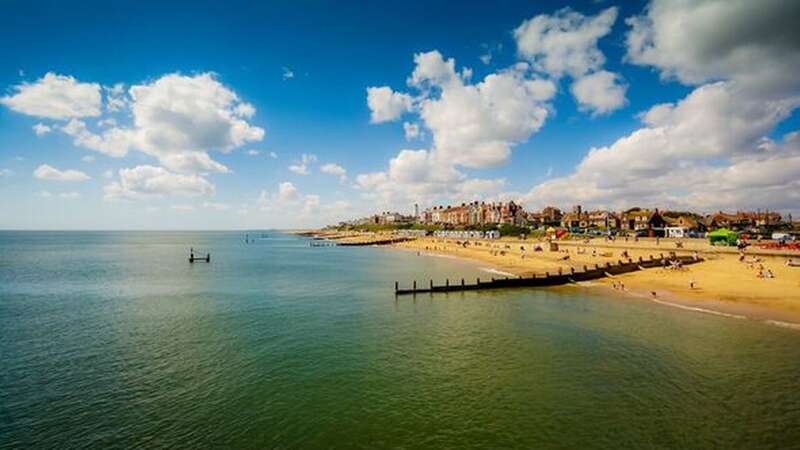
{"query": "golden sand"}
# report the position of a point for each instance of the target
(721, 282)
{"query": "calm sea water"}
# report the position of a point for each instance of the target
(112, 340)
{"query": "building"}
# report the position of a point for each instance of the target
(475, 214)
(642, 219)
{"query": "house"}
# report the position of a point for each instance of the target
(642, 219)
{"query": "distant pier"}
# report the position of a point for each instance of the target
(560, 277)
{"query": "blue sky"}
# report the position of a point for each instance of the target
(305, 67)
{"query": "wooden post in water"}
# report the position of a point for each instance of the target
(415, 285)
(462, 282)
(447, 282)
(396, 286)
(478, 281)
(431, 284)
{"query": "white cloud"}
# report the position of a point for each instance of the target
(473, 125)
(46, 172)
(287, 192)
(566, 42)
(311, 204)
(179, 119)
(108, 174)
(287, 74)
(6, 172)
(113, 142)
(44, 194)
(599, 92)
(55, 97)
(41, 129)
(149, 181)
(709, 150)
(115, 97)
(70, 195)
(411, 130)
(386, 105)
(263, 201)
(87, 159)
(756, 43)
(334, 169)
(273, 155)
(476, 125)
(418, 176)
(253, 152)
(301, 167)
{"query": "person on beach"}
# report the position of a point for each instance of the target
(691, 284)
(653, 294)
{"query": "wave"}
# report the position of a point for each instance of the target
(701, 310)
(792, 325)
(498, 272)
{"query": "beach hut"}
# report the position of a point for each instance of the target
(723, 236)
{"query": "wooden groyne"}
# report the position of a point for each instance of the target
(560, 277)
(322, 243)
(369, 242)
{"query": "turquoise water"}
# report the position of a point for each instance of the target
(112, 340)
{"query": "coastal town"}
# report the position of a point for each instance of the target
(748, 262)
(502, 218)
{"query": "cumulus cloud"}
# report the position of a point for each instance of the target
(473, 125)
(6, 172)
(41, 129)
(87, 159)
(301, 167)
(55, 97)
(711, 149)
(287, 192)
(150, 181)
(47, 172)
(334, 169)
(177, 119)
(756, 44)
(287, 73)
(253, 152)
(565, 43)
(419, 176)
(599, 92)
(386, 105)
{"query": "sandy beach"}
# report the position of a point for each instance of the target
(721, 283)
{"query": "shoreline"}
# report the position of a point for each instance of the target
(763, 309)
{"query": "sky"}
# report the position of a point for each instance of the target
(235, 115)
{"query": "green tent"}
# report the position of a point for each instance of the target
(723, 236)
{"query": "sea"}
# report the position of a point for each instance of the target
(113, 340)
